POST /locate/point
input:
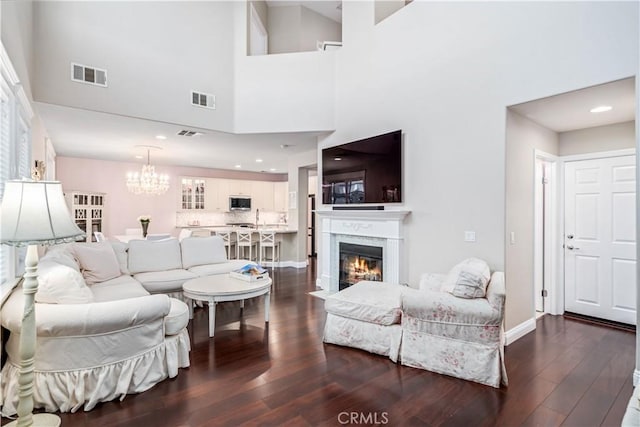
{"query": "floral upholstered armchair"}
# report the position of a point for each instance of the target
(454, 324)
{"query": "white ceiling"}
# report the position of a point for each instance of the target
(89, 134)
(570, 111)
(328, 8)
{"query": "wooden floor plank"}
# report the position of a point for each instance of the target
(256, 374)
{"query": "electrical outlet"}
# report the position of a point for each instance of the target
(469, 236)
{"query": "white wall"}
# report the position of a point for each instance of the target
(155, 53)
(281, 93)
(601, 138)
(299, 165)
(317, 28)
(523, 137)
(386, 8)
(298, 29)
(284, 28)
(456, 67)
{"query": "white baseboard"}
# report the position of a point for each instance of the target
(636, 378)
(295, 264)
(519, 331)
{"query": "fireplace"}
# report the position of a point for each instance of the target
(359, 262)
(381, 234)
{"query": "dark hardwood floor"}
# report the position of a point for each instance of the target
(565, 373)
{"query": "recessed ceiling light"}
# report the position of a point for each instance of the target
(238, 166)
(272, 169)
(601, 109)
(139, 157)
(337, 158)
(258, 160)
(161, 137)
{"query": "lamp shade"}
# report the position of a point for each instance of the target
(35, 212)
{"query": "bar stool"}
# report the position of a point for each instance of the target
(244, 240)
(268, 240)
(229, 243)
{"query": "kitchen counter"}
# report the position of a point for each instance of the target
(278, 228)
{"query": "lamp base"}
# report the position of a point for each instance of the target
(41, 420)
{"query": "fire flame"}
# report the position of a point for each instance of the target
(359, 269)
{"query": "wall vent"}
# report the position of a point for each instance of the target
(205, 100)
(90, 75)
(189, 133)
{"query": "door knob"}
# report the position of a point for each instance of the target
(569, 236)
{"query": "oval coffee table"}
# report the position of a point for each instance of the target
(221, 288)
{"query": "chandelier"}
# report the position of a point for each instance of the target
(147, 181)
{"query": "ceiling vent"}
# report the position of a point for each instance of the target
(189, 133)
(90, 75)
(205, 100)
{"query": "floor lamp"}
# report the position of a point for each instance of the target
(33, 213)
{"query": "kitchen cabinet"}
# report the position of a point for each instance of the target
(262, 195)
(280, 196)
(239, 187)
(192, 194)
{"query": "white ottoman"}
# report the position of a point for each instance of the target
(366, 316)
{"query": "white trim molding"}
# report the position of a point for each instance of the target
(517, 332)
(294, 264)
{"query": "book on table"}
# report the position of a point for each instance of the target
(250, 273)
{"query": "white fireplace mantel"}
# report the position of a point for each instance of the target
(382, 228)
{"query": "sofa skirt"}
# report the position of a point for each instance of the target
(69, 390)
(374, 338)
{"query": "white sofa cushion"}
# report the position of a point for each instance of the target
(116, 289)
(202, 251)
(468, 279)
(221, 268)
(120, 250)
(60, 284)
(160, 255)
(62, 254)
(374, 302)
(177, 319)
(164, 281)
(98, 261)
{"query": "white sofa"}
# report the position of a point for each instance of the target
(105, 322)
(424, 328)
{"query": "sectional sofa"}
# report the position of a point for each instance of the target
(110, 319)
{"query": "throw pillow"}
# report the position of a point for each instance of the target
(60, 284)
(468, 279)
(98, 261)
(120, 249)
(62, 254)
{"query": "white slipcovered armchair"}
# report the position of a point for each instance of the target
(461, 337)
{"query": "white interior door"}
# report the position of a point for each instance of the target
(599, 243)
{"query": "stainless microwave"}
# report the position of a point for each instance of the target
(239, 203)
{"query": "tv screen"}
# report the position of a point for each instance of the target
(364, 171)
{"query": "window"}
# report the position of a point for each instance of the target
(15, 154)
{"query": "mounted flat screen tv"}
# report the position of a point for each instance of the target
(364, 171)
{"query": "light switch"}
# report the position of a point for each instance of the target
(469, 236)
(512, 238)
